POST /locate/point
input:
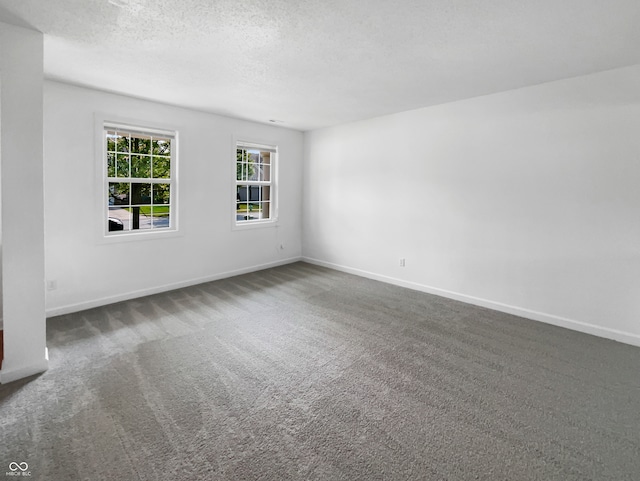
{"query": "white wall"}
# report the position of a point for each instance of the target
(90, 272)
(21, 60)
(527, 201)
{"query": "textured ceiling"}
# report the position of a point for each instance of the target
(314, 63)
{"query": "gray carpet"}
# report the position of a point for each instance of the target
(304, 373)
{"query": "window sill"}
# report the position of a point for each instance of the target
(255, 224)
(139, 236)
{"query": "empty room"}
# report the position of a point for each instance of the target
(320, 240)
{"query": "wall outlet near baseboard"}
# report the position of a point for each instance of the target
(52, 285)
(402, 262)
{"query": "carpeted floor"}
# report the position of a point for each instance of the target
(304, 373)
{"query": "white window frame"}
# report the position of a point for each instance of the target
(103, 124)
(272, 183)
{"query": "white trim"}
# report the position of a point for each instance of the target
(255, 146)
(136, 128)
(9, 375)
(607, 333)
(81, 306)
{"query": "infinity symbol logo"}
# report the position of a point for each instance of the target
(13, 466)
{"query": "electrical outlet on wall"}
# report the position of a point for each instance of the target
(402, 262)
(52, 285)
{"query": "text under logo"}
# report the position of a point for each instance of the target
(18, 469)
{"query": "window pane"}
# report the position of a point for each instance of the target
(111, 165)
(254, 193)
(140, 166)
(161, 167)
(266, 210)
(263, 172)
(161, 193)
(253, 210)
(266, 172)
(161, 146)
(246, 171)
(161, 216)
(140, 144)
(119, 219)
(265, 193)
(140, 217)
(252, 166)
(122, 165)
(140, 193)
(118, 193)
(241, 192)
(242, 211)
(256, 210)
(265, 158)
(111, 143)
(122, 141)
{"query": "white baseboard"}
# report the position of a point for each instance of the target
(607, 333)
(19, 372)
(103, 301)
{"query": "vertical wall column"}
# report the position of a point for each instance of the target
(23, 286)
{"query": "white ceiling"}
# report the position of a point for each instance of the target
(315, 63)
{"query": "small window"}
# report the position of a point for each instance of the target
(140, 167)
(254, 183)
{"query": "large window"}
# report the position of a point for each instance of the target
(140, 167)
(255, 186)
